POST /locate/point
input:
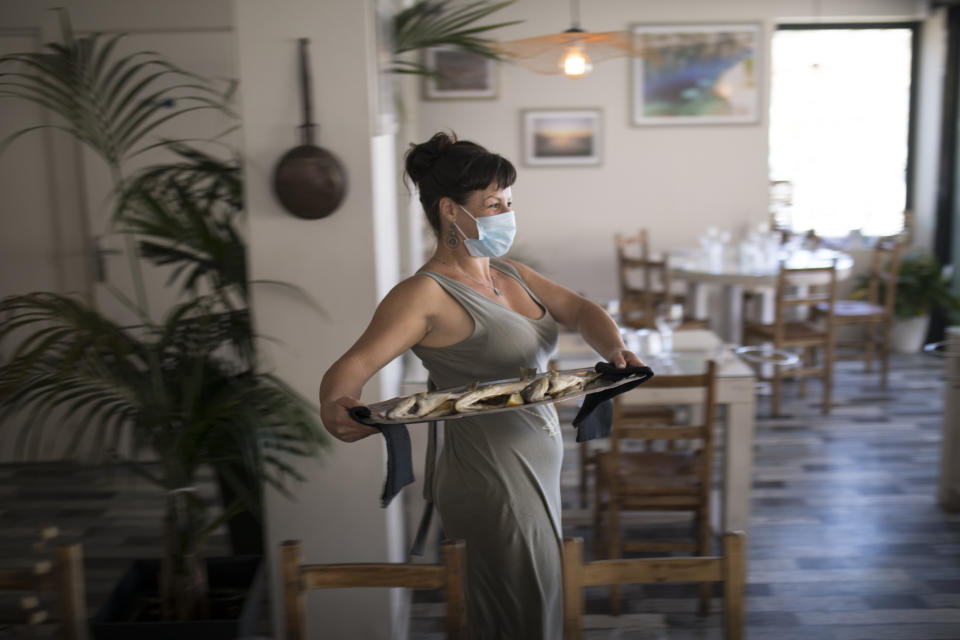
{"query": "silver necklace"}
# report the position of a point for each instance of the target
(469, 277)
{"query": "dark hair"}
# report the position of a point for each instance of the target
(446, 167)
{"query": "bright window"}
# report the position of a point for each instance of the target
(839, 122)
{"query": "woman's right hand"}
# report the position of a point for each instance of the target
(338, 422)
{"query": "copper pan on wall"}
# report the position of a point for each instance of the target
(309, 181)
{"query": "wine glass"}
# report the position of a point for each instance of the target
(667, 317)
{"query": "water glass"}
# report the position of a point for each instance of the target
(667, 317)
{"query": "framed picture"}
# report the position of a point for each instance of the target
(459, 75)
(561, 136)
(696, 74)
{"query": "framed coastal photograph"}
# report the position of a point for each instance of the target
(561, 136)
(459, 75)
(696, 74)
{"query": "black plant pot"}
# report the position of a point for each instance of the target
(244, 529)
(237, 587)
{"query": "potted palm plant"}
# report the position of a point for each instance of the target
(186, 391)
(922, 285)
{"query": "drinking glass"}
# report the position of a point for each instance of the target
(667, 317)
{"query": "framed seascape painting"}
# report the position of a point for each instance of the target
(458, 74)
(696, 74)
(561, 136)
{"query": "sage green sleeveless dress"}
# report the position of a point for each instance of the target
(497, 481)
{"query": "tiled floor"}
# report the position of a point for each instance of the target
(846, 539)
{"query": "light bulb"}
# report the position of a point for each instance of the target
(575, 63)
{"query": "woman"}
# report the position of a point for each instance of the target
(468, 317)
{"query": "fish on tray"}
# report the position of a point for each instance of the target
(528, 389)
(421, 405)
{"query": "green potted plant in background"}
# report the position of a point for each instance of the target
(922, 286)
(186, 391)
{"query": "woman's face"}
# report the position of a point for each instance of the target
(482, 203)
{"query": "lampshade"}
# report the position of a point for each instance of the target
(544, 54)
(572, 52)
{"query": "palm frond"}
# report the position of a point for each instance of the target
(433, 23)
(109, 102)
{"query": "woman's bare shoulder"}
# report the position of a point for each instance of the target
(417, 288)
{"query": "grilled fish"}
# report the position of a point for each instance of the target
(418, 406)
(536, 390)
(492, 396)
(563, 384)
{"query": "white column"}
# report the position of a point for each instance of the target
(949, 494)
(347, 262)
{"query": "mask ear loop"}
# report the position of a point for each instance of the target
(454, 223)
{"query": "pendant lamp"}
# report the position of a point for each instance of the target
(572, 52)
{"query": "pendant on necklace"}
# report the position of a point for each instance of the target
(497, 291)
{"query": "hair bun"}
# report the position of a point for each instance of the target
(422, 157)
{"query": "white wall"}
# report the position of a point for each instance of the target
(673, 180)
(346, 262)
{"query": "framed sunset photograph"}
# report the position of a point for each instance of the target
(561, 136)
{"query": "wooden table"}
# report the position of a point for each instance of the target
(732, 276)
(735, 392)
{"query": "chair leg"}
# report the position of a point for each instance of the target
(807, 363)
(827, 379)
(775, 395)
(884, 344)
(703, 549)
(583, 475)
(869, 351)
(599, 532)
(613, 551)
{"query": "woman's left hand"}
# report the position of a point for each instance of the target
(624, 358)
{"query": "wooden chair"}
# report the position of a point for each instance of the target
(876, 312)
(66, 579)
(299, 578)
(645, 283)
(729, 568)
(793, 328)
(670, 479)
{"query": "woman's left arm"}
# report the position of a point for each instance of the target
(586, 317)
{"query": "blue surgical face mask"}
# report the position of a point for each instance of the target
(495, 235)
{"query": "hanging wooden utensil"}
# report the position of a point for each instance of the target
(309, 181)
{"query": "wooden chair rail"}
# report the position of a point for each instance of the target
(806, 301)
(662, 433)
(601, 572)
(372, 575)
(658, 547)
(65, 578)
(26, 580)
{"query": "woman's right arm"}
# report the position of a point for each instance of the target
(401, 320)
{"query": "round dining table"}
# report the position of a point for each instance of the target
(732, 275)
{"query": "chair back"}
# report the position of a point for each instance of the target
(728, 568)
(649, 428)
(66, 579)
(298, 578)
(644, 282)
(816, 285)
(884, 270)
(653, 432)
